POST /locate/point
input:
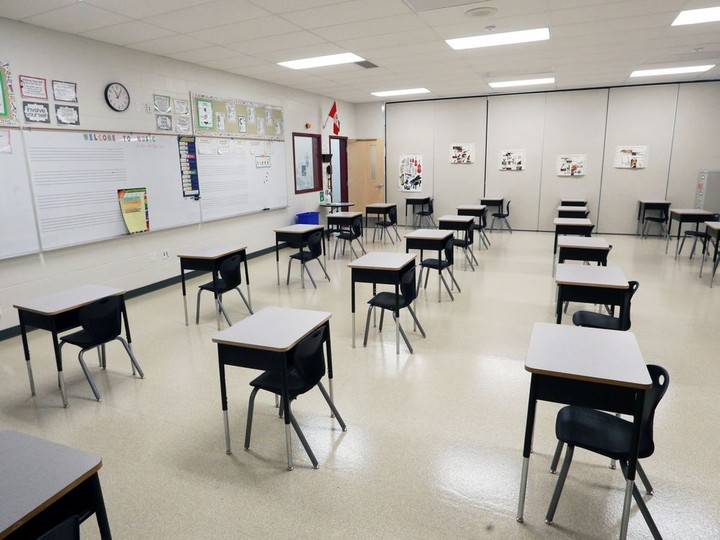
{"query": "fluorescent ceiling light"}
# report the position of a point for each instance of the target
(320, 61)
(526, 82)
(406, 92)
(670, 71)
(697, 16)
(506, 38)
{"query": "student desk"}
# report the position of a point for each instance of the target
(296, 236)
(573, 202)
(577, 226)
(430, 239)
(685, 215)
(572, 211)
(583, 248)
(44, 484)
(645, 205)
(455, 222)
(265, 341)
(478, 211)
(587, 367)
(381, 210)
(604, 285)
(415, 201)
(57, 313)
(337, 206)
(386, 268)
(494, 202)
(712, 228)
(209, 259)
(342, 220)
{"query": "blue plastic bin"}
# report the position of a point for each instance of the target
(308, 218)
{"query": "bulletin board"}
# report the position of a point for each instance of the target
(227, 117)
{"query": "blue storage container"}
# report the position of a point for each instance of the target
(308, 218)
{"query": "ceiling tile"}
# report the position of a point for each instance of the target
(171, 44)
(76, 18)
(348, 12)
(374, 27)
(274, 43)
(140, 9)
(127, 33)
(208, 15)
(245, 30)
(19, 10)
(284, 6)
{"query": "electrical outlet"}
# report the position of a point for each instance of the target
(148, 108)
(165, 254)
(152, 256)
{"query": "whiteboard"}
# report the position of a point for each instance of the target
(240, 176)
(18, 234)
(75, 177)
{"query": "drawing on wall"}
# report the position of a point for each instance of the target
(205, 114)
(462, 153)
(631, 157)
(571, 164)
(410, 172)
(134, 209)
(512, 160)
(8, 111)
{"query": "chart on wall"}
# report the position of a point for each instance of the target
(411, 172)
(228, 117)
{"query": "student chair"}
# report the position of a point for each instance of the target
(608, 322)
(313, 253)
(101, 323)
(440, 265)
(704, 237)
(426, 215)
(610, 436)
(388, 300)
(503, 217)
(355, 232)
(391, 221)
(660, 220)
(230, 278)
(307, 371)
(710, 240)
(480, 228)
(466, 243)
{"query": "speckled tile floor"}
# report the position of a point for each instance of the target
(434, 441)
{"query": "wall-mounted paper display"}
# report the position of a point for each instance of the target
(33, 87)
(571, 164)
(227, 117)
(65, 91)
(631, 157)
(462, 153)
(35, 112)
(134, 209)
(410, 172)
(8, 111)
(161, 104)
(512, 160)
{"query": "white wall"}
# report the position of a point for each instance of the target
(124, 262)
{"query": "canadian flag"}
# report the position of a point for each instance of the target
(336, 119)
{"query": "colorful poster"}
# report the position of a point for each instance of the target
(134, 209)
(410, 172)
(571, 164)
(36, 113)
(64, 91)
(462, 153)
(32, 87)
(8, 110)
(631, 157)
(512, 160)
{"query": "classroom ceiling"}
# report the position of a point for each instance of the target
(592, 42)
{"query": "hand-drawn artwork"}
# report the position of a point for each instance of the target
(631, 157)
(242, 124)
(512, 160)
(163, 122)
(67, 115)
(251, 115)
(162, 104)
(220, 121)
(36, 113)
(230, 112)
(462, 153)
(410, 172)
(261, 126)
(32, 87)
(571, 164)
(205, 114)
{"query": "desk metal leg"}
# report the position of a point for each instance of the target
(100, 512)
(26, 349)
(353, 329)
(184, 293)
(277, 262)
(523, 489)
(288, 444)
(185, 305)
(226, 421)
(626, 508)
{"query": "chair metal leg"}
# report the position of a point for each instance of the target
(646, 482)
(307, 271)
(362, 247)
(402, 333)
(465, 251)
(323, 269)
(337, 241)
(131, 354)
(222, 310)
(417, 322)
(245, 301)
(330, 403)
(419, 282)
(559, 486)
(88, 376)
(302, 438)
(397, 234)
(367, 325)
(427, 275)
(197, 307)
(287, 280)
(447, 287)
(452, 276)
(556, 457)
(248, 425)
(641, 504)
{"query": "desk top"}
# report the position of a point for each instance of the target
(337, 205)
(571, 221)
(417, 200)
(456, 218)
(344, 215)
(382, 261)
(34, 473)
(610, 277)
(652, 201)
(429, 234)
(476, 207)
(563, 201)
(563, 208)
(587, 354)
(713, 225)
(273, 329)
(299, 229)
(67, 300)
(584, 242)
(383, 205)
(690, 212)
(210, 252)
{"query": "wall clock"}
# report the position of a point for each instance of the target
(117, 97)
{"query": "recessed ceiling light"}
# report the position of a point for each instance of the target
(320, 61)
(484, 11)
(670, 71)
(697, 16)
(525, 82)
(505, 38)
(406, 92)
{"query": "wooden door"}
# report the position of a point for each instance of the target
(366, 172)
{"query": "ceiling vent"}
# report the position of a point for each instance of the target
(365, 64)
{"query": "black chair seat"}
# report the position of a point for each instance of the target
(303, 256)
(386, 300)
(81, 339)
(222, 286)
(271, 381)
(596, 320)
(436, 264)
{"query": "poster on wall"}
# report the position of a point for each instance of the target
(631, 157)
(512, 160)
(571, 164)
(410, 172)
(36, 112)
(67, 115)
(8, 111)
(65, 91)
(32, 87)
(134, 209)
(462, 153)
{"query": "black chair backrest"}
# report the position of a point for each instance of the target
(356, 227)
(392, 215)
(632, 288)
(450, 250)
(101, 319)
(483, 219)
(469, 233)
(230, 271)
(315, 244)
(660, 381)
(507, 211)
(407, 286)
(431, 208)
(309, 360)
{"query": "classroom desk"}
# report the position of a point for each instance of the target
(337, 206)
(573, 202)
(415, 201)
(430, 239)
(57, 313)
(495, 202)
(572, 211)
(342, 220)
(645, 205)
(265, 341)
(209, 259)
(577, 226)
(379, 210)
(583, 248)
(685, 215)
(455, 222)
(44, 484)
(713, 229)
(587, 367)
(478, 211)
(604, 285)
(385, 268)
(296, 236)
